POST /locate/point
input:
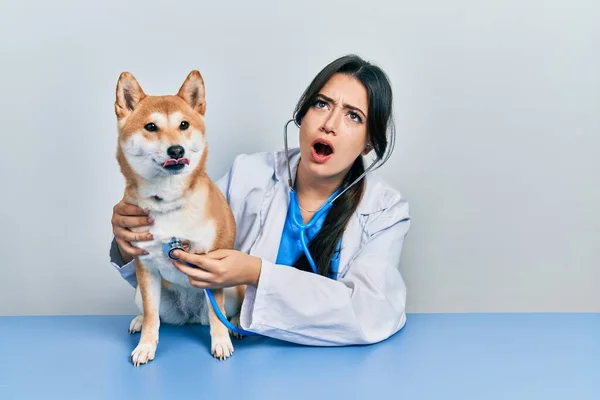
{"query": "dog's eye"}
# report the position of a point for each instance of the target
(184, 125)
(150, 127)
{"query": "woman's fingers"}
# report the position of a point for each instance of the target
(200, 260)
(124, 208)
(128, 248)
(129, 216)
(198, 277)
(203, 284)
(129, 236)
(127, 221)
(219, 254)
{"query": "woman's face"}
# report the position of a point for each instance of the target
(333, 133)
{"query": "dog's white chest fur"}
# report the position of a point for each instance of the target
(188, 222)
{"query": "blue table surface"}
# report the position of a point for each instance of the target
(436, 356)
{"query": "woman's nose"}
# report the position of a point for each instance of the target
(332, 122)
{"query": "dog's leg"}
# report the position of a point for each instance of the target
(236, 297)
(221, 346)
(235, 321)
(150, 291)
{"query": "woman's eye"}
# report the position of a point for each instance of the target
(320, 104)
(355, 117)
(151, 127)
(184, 125)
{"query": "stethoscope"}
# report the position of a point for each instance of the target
(175, 243)
(322, 210)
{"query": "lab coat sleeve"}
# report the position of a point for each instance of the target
(127, 271)
(365, 306)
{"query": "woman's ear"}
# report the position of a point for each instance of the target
(368, 148)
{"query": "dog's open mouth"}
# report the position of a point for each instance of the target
(322, 149)
(175, 164)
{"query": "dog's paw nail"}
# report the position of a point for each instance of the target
(143, 353)
(222, 348)
(235, 321)
(136, 324)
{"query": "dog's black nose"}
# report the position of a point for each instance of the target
(176, 151)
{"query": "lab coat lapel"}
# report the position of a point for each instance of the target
(275, 208)
(267, 245)
(274, 211)
(356, 234)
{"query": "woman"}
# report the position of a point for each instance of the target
(357, 295)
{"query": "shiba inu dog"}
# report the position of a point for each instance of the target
(162, 152)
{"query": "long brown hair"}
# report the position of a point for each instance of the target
(379, 122)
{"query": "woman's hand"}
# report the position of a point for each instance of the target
(219, 268)
(126, 216)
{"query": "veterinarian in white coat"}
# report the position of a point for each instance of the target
(358, 299)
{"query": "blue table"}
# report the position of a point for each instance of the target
(472, 356)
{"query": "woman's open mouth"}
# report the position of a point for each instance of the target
(321, 150)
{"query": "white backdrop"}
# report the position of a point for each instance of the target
(497, 107)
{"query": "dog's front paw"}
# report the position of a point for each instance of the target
(143, 353)
(235, 321)
(136, 324)
(222, 347)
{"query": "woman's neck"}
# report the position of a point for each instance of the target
(315, 189)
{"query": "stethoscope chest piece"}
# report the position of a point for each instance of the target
(170, 246)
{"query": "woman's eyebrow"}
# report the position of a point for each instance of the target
(348, 106)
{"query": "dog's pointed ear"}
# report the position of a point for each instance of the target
(129, 94)
(192, 91)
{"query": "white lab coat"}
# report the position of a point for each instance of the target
(366, 304)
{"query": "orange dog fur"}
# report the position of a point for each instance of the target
(162, 153)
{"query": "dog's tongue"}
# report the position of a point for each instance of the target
(172, 161)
